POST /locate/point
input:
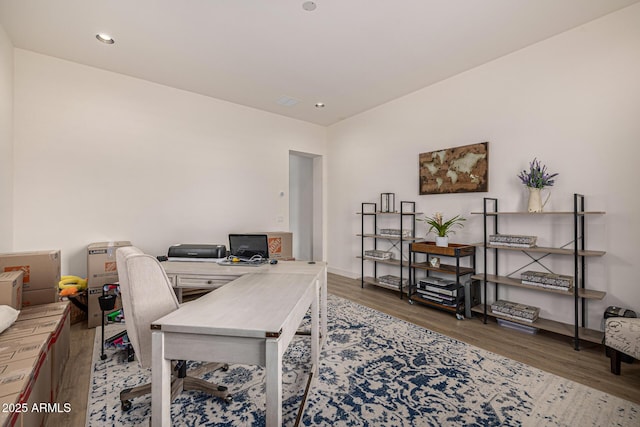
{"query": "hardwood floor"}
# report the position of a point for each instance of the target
(546, 351)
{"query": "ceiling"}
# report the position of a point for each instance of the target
(352, 55)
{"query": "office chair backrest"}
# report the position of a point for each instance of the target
(147, 295)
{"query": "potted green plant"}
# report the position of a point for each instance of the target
(442, 228)
(537, 178)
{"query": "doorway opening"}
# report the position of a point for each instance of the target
(305, 205)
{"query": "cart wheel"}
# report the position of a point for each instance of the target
(125, 405)
(459, 316)
(411, 302)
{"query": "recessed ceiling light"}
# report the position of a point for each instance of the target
(319, 104)
(309, 6)
(105, 38)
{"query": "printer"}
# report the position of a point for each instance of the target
(194, 252)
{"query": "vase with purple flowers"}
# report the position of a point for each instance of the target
(536, 179)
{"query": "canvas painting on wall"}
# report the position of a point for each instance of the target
(462, 169)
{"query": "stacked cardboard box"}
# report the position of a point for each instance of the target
(11, 288)
(41, 274)
(33, 355)
(101, 270)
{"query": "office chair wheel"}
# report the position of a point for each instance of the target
(228, 399)
(225, 367)
(125, 405)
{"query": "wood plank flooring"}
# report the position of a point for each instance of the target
(546, 351)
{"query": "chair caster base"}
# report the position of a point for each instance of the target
(125, 405)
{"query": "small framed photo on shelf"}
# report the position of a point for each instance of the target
(387, 202)
(434, 262)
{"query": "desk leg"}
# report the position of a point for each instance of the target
(316, 343)
(323, 306)
(274, 382)
(160, 383)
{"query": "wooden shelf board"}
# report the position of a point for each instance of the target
(416, 297)
(386, 261)
(373, 281)
(565, 329)
(541, 213)
(444, 268)
(378, 236)
(541, 249)
(389, 213)
(503, 280)
(431, 248)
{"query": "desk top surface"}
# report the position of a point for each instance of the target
(250, 306)
(213, 268)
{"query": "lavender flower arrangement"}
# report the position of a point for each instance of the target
(537, 176)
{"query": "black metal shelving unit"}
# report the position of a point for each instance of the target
(370, 231)
(575, 248)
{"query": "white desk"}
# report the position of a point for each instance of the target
(210, 275)
(250, 320)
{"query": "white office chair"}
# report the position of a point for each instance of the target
(147, 295)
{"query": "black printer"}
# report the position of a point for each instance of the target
(196, 251)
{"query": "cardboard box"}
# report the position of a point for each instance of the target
(44, 310)
(17, 376)
(280, 244)
(32, 365)
(40, 296)
(28, 347)
(59, 346)
(94, 314)
(23, 384)
(41, 268)
(10, 417)
(101, 263)
(11, 288)
(25, 328)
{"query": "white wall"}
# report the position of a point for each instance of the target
(101, 156)
(571, 101)
(6, 142)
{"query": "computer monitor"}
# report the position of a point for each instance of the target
(245, 246)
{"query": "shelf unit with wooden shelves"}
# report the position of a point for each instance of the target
(371, 238)
(576, 248)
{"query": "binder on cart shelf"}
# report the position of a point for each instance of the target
(451, 289)
(436, 295)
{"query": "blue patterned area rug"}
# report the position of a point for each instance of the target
(375, 370)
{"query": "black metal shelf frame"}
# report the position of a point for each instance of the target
(407, 211)
(490, 214)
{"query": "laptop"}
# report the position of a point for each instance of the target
(248, 249)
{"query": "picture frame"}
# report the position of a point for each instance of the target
(463, 169)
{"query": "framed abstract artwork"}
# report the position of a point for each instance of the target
(462, 169)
